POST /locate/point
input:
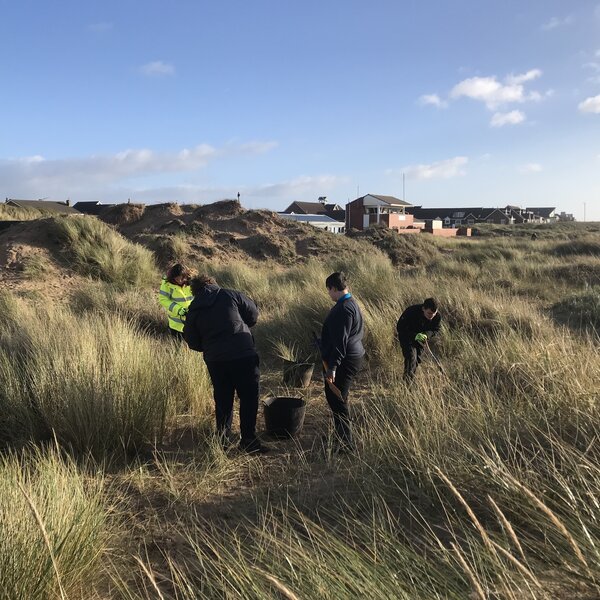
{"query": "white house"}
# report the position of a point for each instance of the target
(320, 221)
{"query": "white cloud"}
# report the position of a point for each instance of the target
(299, 186)
(590, 105)
(495, 93)
(433, 100)
(529, 76)
(157, 68)
(37, 177)
(556, 22)
(531, 168)
(514, 117)
(443, 169)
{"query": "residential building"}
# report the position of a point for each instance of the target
(91, 208)
(468, 216)
(547, 214)
(320, 221)
(374, 209)
(335, 211)
(563, 216)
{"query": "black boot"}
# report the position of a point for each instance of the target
(227, 439)
(253, 446)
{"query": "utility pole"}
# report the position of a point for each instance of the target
(584, 212)
(403, 189)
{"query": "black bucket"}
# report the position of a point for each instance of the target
(284, 417)
(297, 374)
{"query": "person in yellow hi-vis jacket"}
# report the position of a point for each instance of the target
(175, 296)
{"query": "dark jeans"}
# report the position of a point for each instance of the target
(242, 376)
(344, 376)
(412, 358)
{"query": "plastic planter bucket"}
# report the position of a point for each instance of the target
(297, 374)
(284, 416)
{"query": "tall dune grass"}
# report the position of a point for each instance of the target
(93, 248)
(482, 482)
(53, 526)
(15, 213)
(97, 383)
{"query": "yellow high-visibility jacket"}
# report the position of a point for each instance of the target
(173, 298)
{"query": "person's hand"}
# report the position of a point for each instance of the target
(182, 312)
(421, 338)
(330, 375)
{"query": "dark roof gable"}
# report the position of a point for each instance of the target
(311, 208)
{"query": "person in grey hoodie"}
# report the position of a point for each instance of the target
(343, 354)
(218, 324)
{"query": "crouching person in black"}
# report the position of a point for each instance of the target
(417, 324)
(343, 355)
(218, 324)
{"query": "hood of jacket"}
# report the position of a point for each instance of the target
(207, 296)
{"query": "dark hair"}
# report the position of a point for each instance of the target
(178, 270)
(199, 283)
(430, 304)
(337, 281)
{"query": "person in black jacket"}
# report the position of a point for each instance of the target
(343, 354)
(218, 324)
(417, 324)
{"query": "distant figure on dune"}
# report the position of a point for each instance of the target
(417, 324)
(218, 324)
(343, 355)
(175, 296)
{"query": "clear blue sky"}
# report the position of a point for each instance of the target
(477, 103)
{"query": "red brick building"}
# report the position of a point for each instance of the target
(387, 211)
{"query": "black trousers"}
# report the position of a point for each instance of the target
(242, 376)
(412, 358)
(344, 376)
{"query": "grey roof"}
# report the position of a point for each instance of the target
(91, 208)
(311, 208)
(390, 199)
(452, 213)
(44, 205)
(84, 204)
(542, 211)
(312, 218)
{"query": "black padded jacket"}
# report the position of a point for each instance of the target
(218, 323)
